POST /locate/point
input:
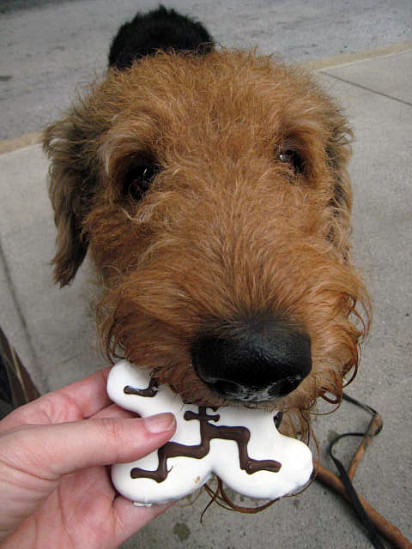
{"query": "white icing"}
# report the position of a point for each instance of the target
(188, 474)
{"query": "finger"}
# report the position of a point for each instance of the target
(114, 411)
(132, 518)
(77, 401)
(54, 450)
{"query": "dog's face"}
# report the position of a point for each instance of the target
(213, 196)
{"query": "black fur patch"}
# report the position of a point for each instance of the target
(159, 29)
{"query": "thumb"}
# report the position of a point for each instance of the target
(50, 451)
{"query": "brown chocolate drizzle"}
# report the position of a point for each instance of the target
(239, 434)
(150, 391)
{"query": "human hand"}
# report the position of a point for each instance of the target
(55, 488)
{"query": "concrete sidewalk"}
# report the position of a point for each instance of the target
(53, 331)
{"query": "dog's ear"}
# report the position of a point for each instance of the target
(73, 175)
(159, 29)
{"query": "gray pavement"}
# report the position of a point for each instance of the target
(51, 47)
(53, 329)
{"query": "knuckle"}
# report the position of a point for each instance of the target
(112, 429)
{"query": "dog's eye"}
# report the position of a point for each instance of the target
(138, 178)
(293, 159)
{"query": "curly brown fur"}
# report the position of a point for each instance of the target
(228, 230)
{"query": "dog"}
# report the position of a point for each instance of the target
(210, 189)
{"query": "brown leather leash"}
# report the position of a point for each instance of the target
(376, 525)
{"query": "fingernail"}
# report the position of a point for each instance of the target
(159, 423)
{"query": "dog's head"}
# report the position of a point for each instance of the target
(211, 190)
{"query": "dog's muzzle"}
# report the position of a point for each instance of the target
(261, 360)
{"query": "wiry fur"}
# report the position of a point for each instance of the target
(227, 229)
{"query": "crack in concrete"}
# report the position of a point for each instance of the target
(361, 86)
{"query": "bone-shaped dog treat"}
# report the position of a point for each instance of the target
(241, 446)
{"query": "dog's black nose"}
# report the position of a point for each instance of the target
(260, 360)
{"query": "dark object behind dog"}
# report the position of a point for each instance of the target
(160, 29)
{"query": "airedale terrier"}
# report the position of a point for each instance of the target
(211, 189)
